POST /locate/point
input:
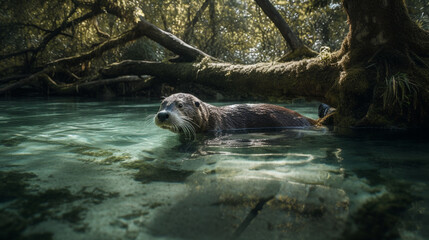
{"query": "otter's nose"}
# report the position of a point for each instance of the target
(162, 116)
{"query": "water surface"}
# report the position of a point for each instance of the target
(85, 169)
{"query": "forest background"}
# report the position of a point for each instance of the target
(71, 47)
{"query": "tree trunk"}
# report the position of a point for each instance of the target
(298, 49)
(258, 81)
(384, 59)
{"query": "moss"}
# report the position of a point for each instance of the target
(11, 225)
(32, 207)
(134, 215)
(74, 215)
(325, 55)
(115, 159)
(378, 219)
(97, 153)
(354, 80)
(38, 207)
(158, 173)
(13, 184)
(297, 54)
(355, 95)
(100, 156)
(155, 205)
(381, 217)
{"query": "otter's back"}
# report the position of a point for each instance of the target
(242, 116)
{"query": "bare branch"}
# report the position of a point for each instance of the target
(191, 24)
(292, 40)
(40, 28)
(65, 25)
(112, 43)
(171, 42)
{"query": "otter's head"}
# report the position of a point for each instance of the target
(181, 113)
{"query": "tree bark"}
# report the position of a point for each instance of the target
(171, 42)
(298, 49)
(382, 44)
(277, 80)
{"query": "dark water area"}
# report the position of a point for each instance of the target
(85, 169)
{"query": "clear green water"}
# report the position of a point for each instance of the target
(76, 169)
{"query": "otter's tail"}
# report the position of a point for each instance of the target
(325, 109)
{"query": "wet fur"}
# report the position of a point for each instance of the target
(190, 115)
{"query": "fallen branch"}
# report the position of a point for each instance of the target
(295, 79)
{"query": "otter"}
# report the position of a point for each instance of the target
(186, 114)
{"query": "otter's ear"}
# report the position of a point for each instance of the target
(197, 104)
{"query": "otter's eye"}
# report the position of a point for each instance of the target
(197, 104)
(179, 105)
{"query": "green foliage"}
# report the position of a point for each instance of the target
(419, 12)
(235, 31)
(399, 91)
(231, 30)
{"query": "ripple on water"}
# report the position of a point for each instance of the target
(97, 169)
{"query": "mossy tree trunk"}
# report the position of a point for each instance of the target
(258, 81)
(385, 74)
